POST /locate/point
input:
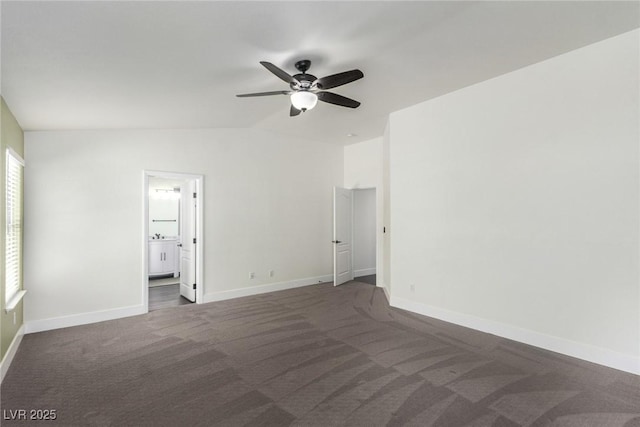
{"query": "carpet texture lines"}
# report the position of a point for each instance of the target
(312, 356)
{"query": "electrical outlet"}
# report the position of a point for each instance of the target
(413, 288)
(272, 273)
(252, 275)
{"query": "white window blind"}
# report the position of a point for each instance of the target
(13, 241)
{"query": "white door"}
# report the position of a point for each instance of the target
(188, 241)
(342, 218)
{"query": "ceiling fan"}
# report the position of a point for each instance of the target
(306, 89)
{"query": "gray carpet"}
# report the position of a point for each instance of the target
(312, 356)
(371, 279)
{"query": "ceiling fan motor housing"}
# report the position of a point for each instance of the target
(302, 81)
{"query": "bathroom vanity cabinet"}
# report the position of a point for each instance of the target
(162, 257)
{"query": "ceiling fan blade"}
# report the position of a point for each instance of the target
(334, 98)
(339, 79)
(278, 72)
(275, 92)
(294, 111)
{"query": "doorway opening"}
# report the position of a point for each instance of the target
(354, 235)
(173, 239)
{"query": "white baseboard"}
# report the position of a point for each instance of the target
(100, 316)
(364, 272)
(11, 352)
(269, 287)
(82, 319)
(590, 353)
(386, 293)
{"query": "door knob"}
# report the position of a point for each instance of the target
(336, 241)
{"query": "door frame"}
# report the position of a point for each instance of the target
(335, 235)
(199, 185)
(379, 236)
(353, 222)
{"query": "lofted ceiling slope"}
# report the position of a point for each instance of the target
(156, 65)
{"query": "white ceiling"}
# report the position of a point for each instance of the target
(123, 65)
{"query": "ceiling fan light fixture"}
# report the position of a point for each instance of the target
(307, 90)
(304, 100)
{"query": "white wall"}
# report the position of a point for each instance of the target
(363, 164)
(514, 204)
(164, 208)
(268, 206)
(364, 232)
